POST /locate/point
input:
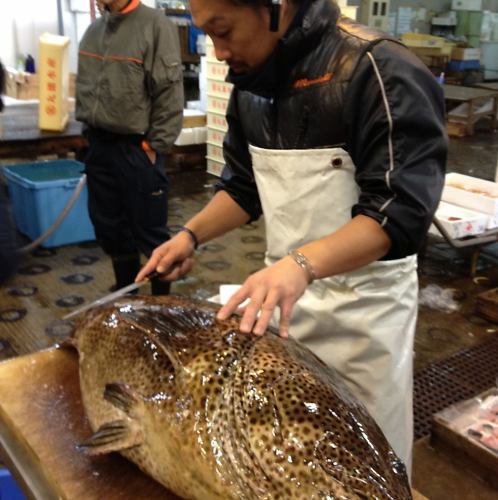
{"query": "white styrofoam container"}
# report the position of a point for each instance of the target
(217, 121)
(219, 89)
(471, 192)
(186, 136)
(215, 136)
(214, 167)
(215, 152)
(200, 135)
(459, 222)
(216, 70)
(210, 53)
(194, 135)
(466, 5)
(492, 222)
(217, 104)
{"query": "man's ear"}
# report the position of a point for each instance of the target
(285, 10)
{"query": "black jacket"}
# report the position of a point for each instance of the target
(335, 83)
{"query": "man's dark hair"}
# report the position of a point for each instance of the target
(260, 3)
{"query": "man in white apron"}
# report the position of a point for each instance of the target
(336, 134)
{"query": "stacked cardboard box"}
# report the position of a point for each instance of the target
(25, 86)
(434, 51)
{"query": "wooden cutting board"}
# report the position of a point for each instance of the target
(41, 421)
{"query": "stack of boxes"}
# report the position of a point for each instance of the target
(465, 59)
(469, 21)
(434, 51)
(218, 94)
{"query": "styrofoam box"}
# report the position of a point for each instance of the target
(219, 89)
(492, 222)
(214, 167)
(217, 104)
(217, 121)
(459, 222)
(466, 5)
(40, 192)
(215, 136)
(215, 152)
(200, 135)
(210, 53)
(216, 70)
(187, 136)
(471, 192)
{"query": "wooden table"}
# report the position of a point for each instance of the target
(473, 97)
(42, 420)
(20, 136)
(487, 85)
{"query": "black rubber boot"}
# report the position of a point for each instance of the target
(125, 267)
(159, 287)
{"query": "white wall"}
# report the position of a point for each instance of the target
(21, 23)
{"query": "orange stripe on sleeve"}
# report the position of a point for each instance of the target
(112, 58)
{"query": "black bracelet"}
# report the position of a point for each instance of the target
(192, 235)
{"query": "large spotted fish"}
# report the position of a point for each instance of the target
(212, 413)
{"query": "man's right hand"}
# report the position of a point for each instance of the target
(178, 250)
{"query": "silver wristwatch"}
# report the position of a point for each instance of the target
(301, 260)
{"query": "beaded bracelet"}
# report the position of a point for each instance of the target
(192, 235)
(301, 260)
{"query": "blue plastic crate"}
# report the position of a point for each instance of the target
(9, 490)
(471, 64)
(40, 191)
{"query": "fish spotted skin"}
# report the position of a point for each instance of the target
(212, 413)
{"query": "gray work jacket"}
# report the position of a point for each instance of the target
(130, 76)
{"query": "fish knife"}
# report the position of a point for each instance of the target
(118, 293)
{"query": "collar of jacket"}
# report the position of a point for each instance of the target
(305, 32)
(114, 18)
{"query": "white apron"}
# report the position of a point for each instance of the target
(362, 323)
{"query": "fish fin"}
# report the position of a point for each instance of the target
(68, 343)
(113, 436)
(122, 396)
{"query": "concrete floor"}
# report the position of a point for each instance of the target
(440, 333)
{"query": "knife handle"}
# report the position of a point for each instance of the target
(155, 274)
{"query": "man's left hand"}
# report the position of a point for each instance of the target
(279, 285)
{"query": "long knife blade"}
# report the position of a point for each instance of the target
(115, 295)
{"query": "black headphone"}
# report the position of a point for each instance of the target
(274, 14)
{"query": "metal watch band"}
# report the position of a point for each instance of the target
(301, 260)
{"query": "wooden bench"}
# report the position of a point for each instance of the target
(474, 98)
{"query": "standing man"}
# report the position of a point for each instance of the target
(337, 135)
(130, 97)
(9, 249)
